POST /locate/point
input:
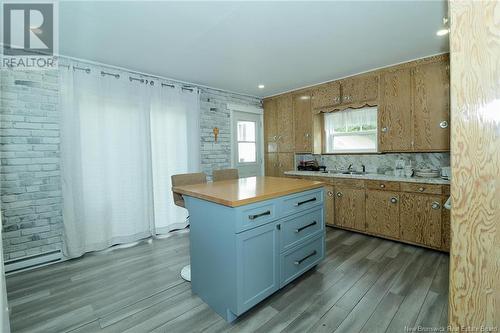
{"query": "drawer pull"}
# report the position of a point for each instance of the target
(253, 217)
(421, 189)
(306, 226)
(382, 185)
(305, 201)
(394, 200)
(298, 262)
(339, 194)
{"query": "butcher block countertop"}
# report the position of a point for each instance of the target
(244, 191)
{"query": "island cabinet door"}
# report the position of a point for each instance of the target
(257, 263)
(382, 213)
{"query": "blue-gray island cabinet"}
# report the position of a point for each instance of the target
(250, 237)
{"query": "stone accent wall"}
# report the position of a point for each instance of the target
(378, 163)
(214, 113)
(30, 180)
(29, 154)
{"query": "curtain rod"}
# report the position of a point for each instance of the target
(197, 86)
(131, 78)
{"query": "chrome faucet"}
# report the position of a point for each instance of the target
(349, 168)
(363, 167)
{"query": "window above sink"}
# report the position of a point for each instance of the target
(351, 131)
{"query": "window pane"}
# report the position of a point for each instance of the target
(355, 142)
(246, 152)
(351, 130)
(246, 131)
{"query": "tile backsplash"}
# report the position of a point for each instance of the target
(378, 163)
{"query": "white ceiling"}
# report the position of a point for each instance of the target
(237, 45)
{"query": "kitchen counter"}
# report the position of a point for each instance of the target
(373, 176)
(243, 191)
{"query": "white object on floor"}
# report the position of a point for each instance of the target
(186, 273)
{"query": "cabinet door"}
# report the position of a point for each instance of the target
(329, 205)
(382, 213)
(395, 111)
(257, 264)
(286, 162)
(350, 208)
(431, 107)
(360, 90)
(420, 219)
(285, 124)
(302, 114)
(270, 126)
(326, 96)
(271, 164)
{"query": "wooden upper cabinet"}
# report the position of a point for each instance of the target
(326, 96)
(285, 124)
(431, 107)
(360, 90)
(270, 126)
(420, 218)
(303, 117)
(382, 213)
(395, 120)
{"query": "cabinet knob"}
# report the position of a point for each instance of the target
(275, 138)
(394, 200)
(421, 189)
(308, 135)
(384, 129)
(330, 193)
(435, 205)
(443, 124)
(339, 194)
(382, 185)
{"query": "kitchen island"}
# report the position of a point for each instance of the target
(250, 237)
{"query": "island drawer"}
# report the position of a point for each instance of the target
(300, 202)
(297, 261)
(256, 215)
(300, 227)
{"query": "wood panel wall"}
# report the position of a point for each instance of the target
(475, 153)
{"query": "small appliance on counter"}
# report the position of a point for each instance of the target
(312, 165)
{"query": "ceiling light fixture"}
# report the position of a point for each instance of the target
(261, 86)
(445, 30)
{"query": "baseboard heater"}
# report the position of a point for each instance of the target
(33, 261)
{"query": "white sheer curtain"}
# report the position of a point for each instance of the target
(175, 142)
(109, 129)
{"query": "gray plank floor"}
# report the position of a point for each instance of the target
(365, 284)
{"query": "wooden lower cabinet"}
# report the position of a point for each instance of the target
(382, 213)
(350, 208)
(271, 164)
(329, 205)
(421, 219)
(275, 164)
